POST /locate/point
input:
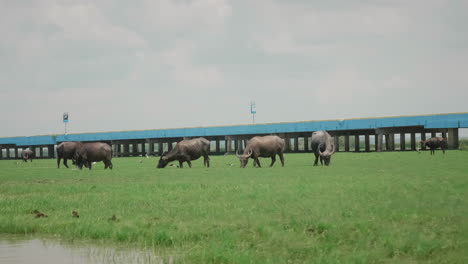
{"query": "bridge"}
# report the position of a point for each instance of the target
(360, 134)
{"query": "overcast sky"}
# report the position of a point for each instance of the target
(130, 65)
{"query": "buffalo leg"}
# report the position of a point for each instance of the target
(58, 163)
(189, 163)
(108, 164)
(273, 159)
(281, 159)
(207, 161)
(89, 165)
(65, 162)
(321, 161)
(316, 160)
(181, 164)
(258, 162)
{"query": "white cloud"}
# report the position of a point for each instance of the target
(203, 15)
(155, 64)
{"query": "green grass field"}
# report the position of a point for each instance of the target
(393, 207)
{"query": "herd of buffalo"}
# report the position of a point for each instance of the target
(323, 147)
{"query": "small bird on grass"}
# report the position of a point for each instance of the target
(75, 214)
(113, 218)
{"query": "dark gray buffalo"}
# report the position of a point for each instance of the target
(434, 143)
(322, 146)
(187, 150)
(264, 147)
(87, 153)
(65, 151)
(27, 154)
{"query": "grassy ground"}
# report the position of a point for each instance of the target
(400, 207)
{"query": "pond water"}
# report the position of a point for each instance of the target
(16, 249)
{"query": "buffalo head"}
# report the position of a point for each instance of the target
(244, 158)
(163, 161)
(81, 158)
(326, 155)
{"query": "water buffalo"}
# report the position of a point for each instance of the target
(27, 154)
(322, 146)
(265, 147)
(435, 142)
(187, 150)
(65, 151)
(87, 153)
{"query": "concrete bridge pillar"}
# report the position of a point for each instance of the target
(134, 149)
(229, 145)
(126, 151)
(51, 151)
(452, 141)
(151, 147)
(336, 140)
(306, 144)
(1, 152)
(390, 142)
(444, 135)
(287, 141)
(160, 148)
(367, 143)
(8, 153)
(346, 143)
(402, 141)
(296, 143)
(413, 141)
(379, 144)
(356, 143)
(423, 137)
(236, 145)
(433, 134)
(16, 152)
(218, 150)
(240, 145)
(41, 151)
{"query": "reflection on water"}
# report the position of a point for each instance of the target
(15, 249)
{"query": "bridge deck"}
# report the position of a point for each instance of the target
(455, 120)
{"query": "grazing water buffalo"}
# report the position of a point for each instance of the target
(27, 154)
(87, 153)
(435, 142)
(322, 146)
(187, 150)
(265, 147)
(65, 151)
